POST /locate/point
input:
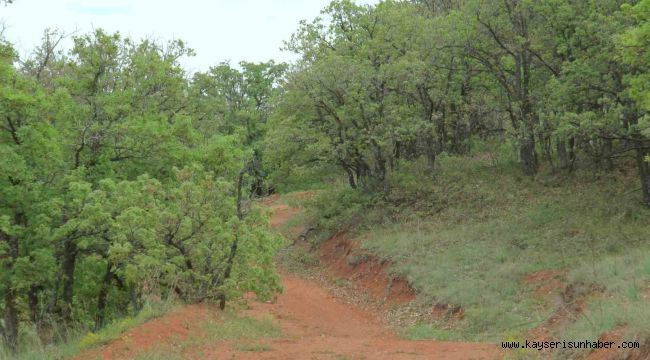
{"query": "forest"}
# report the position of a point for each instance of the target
(124, 178)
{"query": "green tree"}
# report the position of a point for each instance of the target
(30, 190)
(635, 47)
(382, 85)
(507, 42)
(591, 106)
(239, 102)
(348, 86)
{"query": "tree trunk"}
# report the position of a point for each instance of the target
(32, 296)
(11, 320)
(233, 248)
(546, 144)
(441, 131)
(572, 153)
(430, 152)
(608, 147)
(527, 156)
(397, 153)
(10, 316)
(642, 154)
(380, 163)
(226, 275)
(53, 303)
(69, 265)
(102, 297)
(136, 299)
(562, 155)
(351, 181)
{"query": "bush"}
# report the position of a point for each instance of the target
(339, 208)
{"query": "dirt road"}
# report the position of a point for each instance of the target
(315, 325)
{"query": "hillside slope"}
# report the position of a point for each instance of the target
(495, 256)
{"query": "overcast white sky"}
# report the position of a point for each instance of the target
(218, 30)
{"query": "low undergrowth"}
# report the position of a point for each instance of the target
(79, 338)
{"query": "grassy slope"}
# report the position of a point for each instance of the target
(480, 227)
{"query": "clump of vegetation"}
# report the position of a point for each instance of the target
(370, 99)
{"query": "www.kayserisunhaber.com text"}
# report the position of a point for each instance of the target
(564, 344)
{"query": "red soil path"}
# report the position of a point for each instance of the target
(315, 325)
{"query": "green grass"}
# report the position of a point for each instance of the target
(253, 347)
(624, 283)
(427, 331)
(469, 235)
(342, 283)
(232, 327)
(80, 339)
(246, 333)
(160, 355)
(298, 259)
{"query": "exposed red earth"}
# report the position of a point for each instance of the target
(315, 323)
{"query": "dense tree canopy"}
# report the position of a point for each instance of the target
(115, 187)
(562, 81)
